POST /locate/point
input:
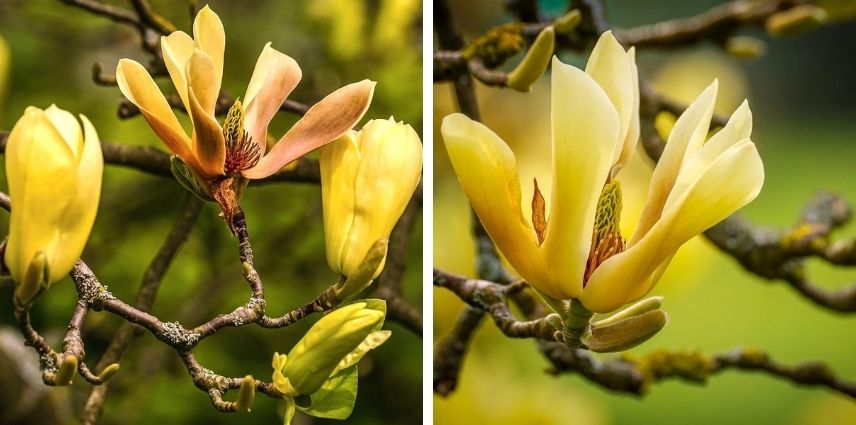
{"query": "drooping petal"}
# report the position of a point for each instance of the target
(733, 179)
(275, 76)
(738, 128)
(614, 71)
(338, 161)
(686, 137)
(487, 171)
(38, 163)
(585, 137)
(209, 145)
(209, 35)
(137, 85)
(325, 121)
(79, 216)
(177, 48)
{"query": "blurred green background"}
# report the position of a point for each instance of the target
(803, 98)
(336, 42)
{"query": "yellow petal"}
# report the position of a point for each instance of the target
(631, 139)
(338, 161)
(325, 121)
(79, 216)
(177, 48)
(328, 341)
(203, 81)
(209, 145)
(686, 137)
(38, 165)
(137, 85)
(487, 171)
(389, 170)
(733, 179)
(275, 76)
(67, 126)
(585, 137)
(209, 35)
(738, 128)
(372, 341)
(615, 71)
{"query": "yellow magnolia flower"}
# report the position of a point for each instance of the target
(577, 251)
(367, 178)
(336, 342)
(196, 67)
(54, 171)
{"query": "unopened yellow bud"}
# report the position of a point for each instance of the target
(535, 62)
(744, 47)
(109, 372)
(644, 306)
(367, 179)
(53, 166)
(327, 345)
(568, 22)
(66, 371)
(627, 333)
(795, 21)
(246, 394)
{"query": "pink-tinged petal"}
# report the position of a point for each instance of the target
(137, 85)
(209, 35)
(177, 48)
(325, 121)
(274, 77)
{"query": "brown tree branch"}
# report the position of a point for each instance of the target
(146, 295)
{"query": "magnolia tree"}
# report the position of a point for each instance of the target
(583, 284)
(54, 164)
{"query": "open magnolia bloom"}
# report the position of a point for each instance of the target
(196, 67)
(54, 166)
(577, 251)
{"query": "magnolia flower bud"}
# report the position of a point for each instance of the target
(568, 22)
(744, 47)
(335, 342)
(54, 168)
(627, 333)
(367, 178)
(246, 394)
(534, 63)
(795, 21)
